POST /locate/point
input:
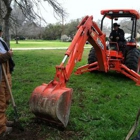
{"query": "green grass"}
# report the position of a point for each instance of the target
(38, 43)
(104, 105)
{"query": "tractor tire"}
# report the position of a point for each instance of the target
(92, 56)
(132, 59)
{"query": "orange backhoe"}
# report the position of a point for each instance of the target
(52, 101)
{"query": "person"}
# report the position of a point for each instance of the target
(118, 35)
(5, 60)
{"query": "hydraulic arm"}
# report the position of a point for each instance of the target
(87, 30)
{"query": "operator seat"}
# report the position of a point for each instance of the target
(113, 46)
(122, 45)
(117, 46)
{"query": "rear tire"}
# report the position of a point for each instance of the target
(92, 56)
(132, 59)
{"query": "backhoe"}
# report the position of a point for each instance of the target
(52, 101)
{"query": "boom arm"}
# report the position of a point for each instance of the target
(87, 30)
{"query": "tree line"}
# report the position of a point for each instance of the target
(57, 31)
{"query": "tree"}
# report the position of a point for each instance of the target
(16, 21)
(27, 7)
(71, 28)
(52, 32)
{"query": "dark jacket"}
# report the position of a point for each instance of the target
(6, 57)
(11, 62)
(3, 58)
(117, 33)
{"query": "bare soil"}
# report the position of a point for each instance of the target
(42, 131)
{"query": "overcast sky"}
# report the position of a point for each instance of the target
(80, 8)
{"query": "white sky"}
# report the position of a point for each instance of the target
(80, 8)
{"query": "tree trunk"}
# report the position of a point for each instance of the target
(6, 31)
(6, 21)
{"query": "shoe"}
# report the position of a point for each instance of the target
(8, 131)
(10, 123)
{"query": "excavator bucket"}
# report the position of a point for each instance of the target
(51, 102)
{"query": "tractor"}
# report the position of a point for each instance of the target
(52, 101)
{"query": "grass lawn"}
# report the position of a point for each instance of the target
(38, 43)
(104, 105)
